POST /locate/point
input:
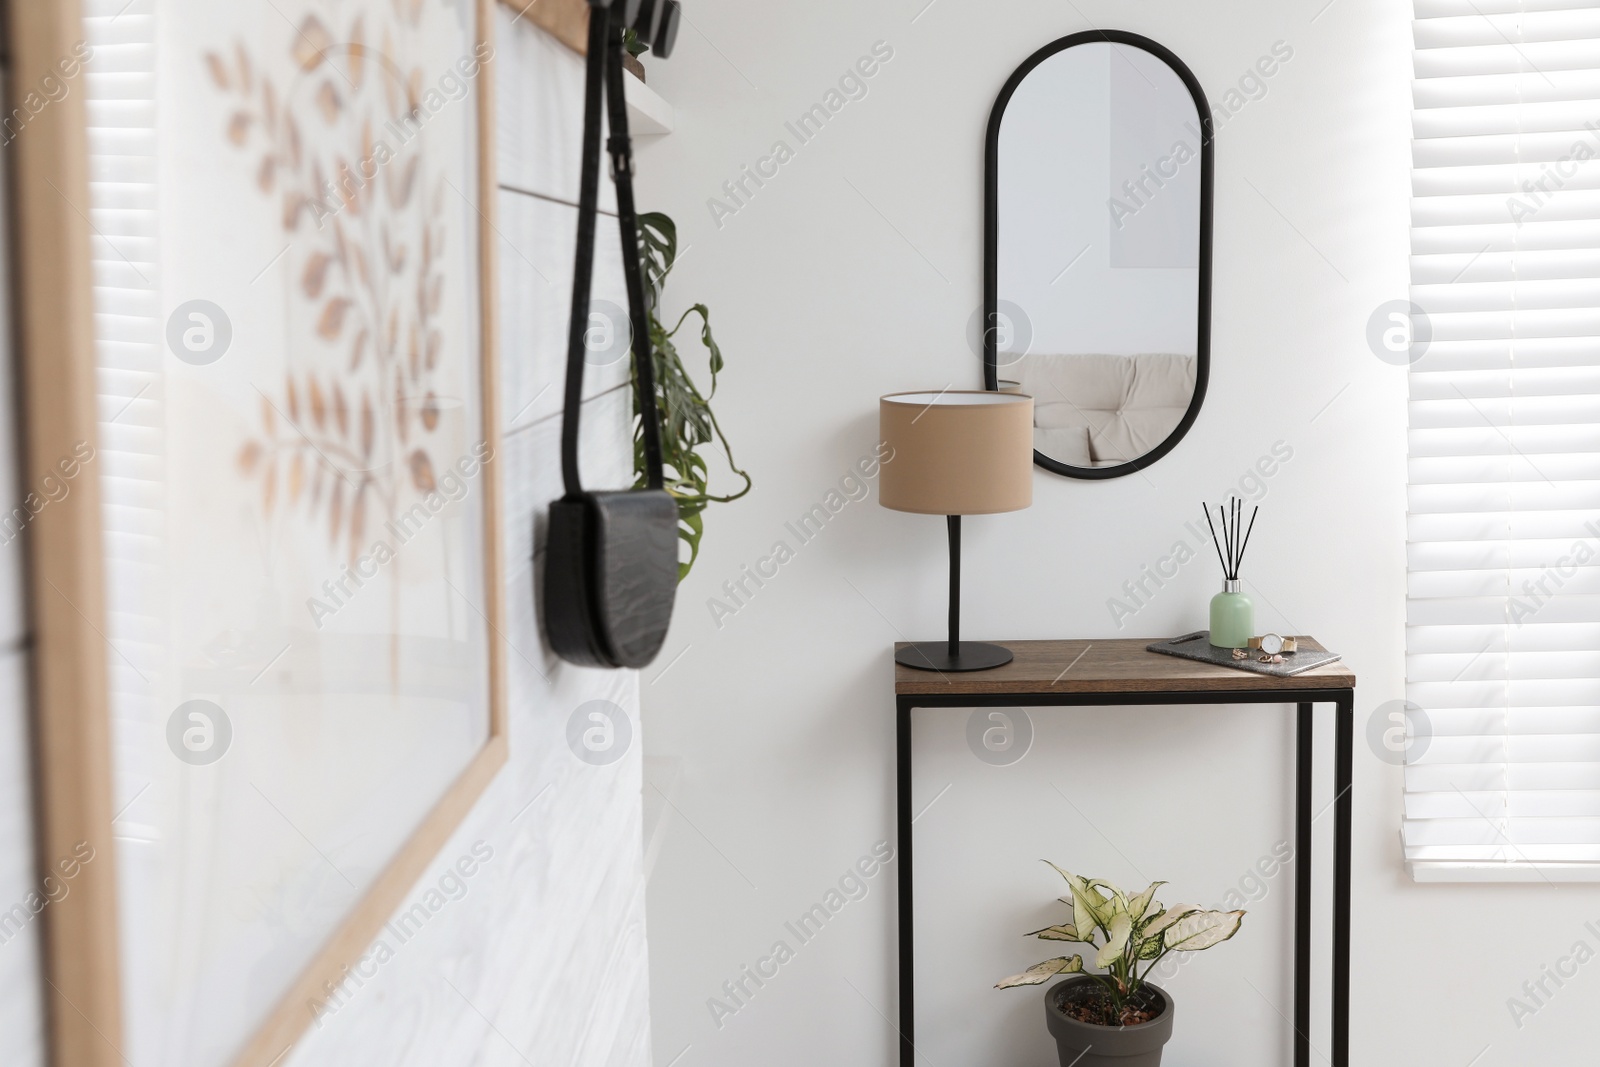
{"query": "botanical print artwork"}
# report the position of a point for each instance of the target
(300, 532)
(349, 440)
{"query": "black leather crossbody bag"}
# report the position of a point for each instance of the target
(611, 559)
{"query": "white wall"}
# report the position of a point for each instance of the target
(855, 271)
(544, 960)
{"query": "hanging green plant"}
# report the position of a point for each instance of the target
(687, 422)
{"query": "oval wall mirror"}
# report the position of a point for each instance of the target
(1097, 250)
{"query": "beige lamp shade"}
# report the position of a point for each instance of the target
(956, 453)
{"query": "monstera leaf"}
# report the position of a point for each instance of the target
(687, 422)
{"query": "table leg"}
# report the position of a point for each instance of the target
(1304, 736)
(908, 1010)
(1343, 782)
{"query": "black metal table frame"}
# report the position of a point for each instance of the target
(1343, 700)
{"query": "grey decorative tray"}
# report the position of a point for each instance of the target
(1197, 646)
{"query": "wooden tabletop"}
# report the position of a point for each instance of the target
(1123, 665)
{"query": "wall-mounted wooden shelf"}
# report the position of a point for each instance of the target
(568, 22)
(565, 20)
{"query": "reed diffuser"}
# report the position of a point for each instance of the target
(1233, 617)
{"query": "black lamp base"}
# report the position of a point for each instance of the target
(970, 656)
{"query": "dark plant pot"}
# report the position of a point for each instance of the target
(632, 65)
(1085, 1045)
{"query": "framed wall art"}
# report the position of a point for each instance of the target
(292, 351)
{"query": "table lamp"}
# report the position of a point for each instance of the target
(953, 454)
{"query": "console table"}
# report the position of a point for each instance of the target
(1122, 672)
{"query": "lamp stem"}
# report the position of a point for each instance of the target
(953, 525)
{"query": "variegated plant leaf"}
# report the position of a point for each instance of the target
(1141, 903)
(1064, 932)
(1203, 929)
(1086, 914)
(1117, 900)
(1161, 920)
(1116, 940)
(1089, 908)
(1041, 973)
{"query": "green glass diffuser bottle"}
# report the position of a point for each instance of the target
(1233, 617)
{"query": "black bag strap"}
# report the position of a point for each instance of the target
(604, 80)
(644, 367)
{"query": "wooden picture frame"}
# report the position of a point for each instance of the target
(52, 304)
(53, 301)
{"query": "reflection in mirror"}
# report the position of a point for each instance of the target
(1099, 251)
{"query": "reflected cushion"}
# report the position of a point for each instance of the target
(1064, 444)
(1124, 405)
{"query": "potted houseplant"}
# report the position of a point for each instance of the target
(1117, 1018)
(632, 49)
(688, 424)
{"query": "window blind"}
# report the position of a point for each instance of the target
(1503, 528)
(119, 93)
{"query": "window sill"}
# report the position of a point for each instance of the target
(1438, 871)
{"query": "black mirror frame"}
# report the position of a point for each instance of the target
(991, 241)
